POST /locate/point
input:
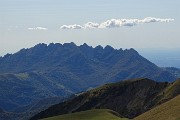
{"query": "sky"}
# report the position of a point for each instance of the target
(139, 24)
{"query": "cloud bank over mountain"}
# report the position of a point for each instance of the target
(116, 23)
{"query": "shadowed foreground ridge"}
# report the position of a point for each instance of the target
(129, 98)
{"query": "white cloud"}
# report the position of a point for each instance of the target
(38, 28)
(91, 25)
(115, 23)
(75, 26)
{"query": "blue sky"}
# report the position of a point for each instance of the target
(24, 23)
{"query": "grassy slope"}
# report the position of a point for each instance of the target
(167, 111)
(96, 114)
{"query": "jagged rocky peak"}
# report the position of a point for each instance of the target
(23, 50)
(7, 55)
(70, 45)
(131, 51)
(99, 47)
(85, 45)
(40, 45)
(54, 44)
(109, 48)
(120, 50)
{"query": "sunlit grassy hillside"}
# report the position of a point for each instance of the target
(167, 111)
(96, 114)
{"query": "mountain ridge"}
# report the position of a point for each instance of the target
(56, 69)
(38, 57)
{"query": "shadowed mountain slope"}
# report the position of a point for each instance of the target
(54, 70)
(17, 90)
(129, 98)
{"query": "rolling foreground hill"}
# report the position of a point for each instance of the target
(96, 114)
(129, 98)
(169, 110)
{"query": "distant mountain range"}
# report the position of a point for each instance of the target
(173, 70)
(57, 70)
(129, 98)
